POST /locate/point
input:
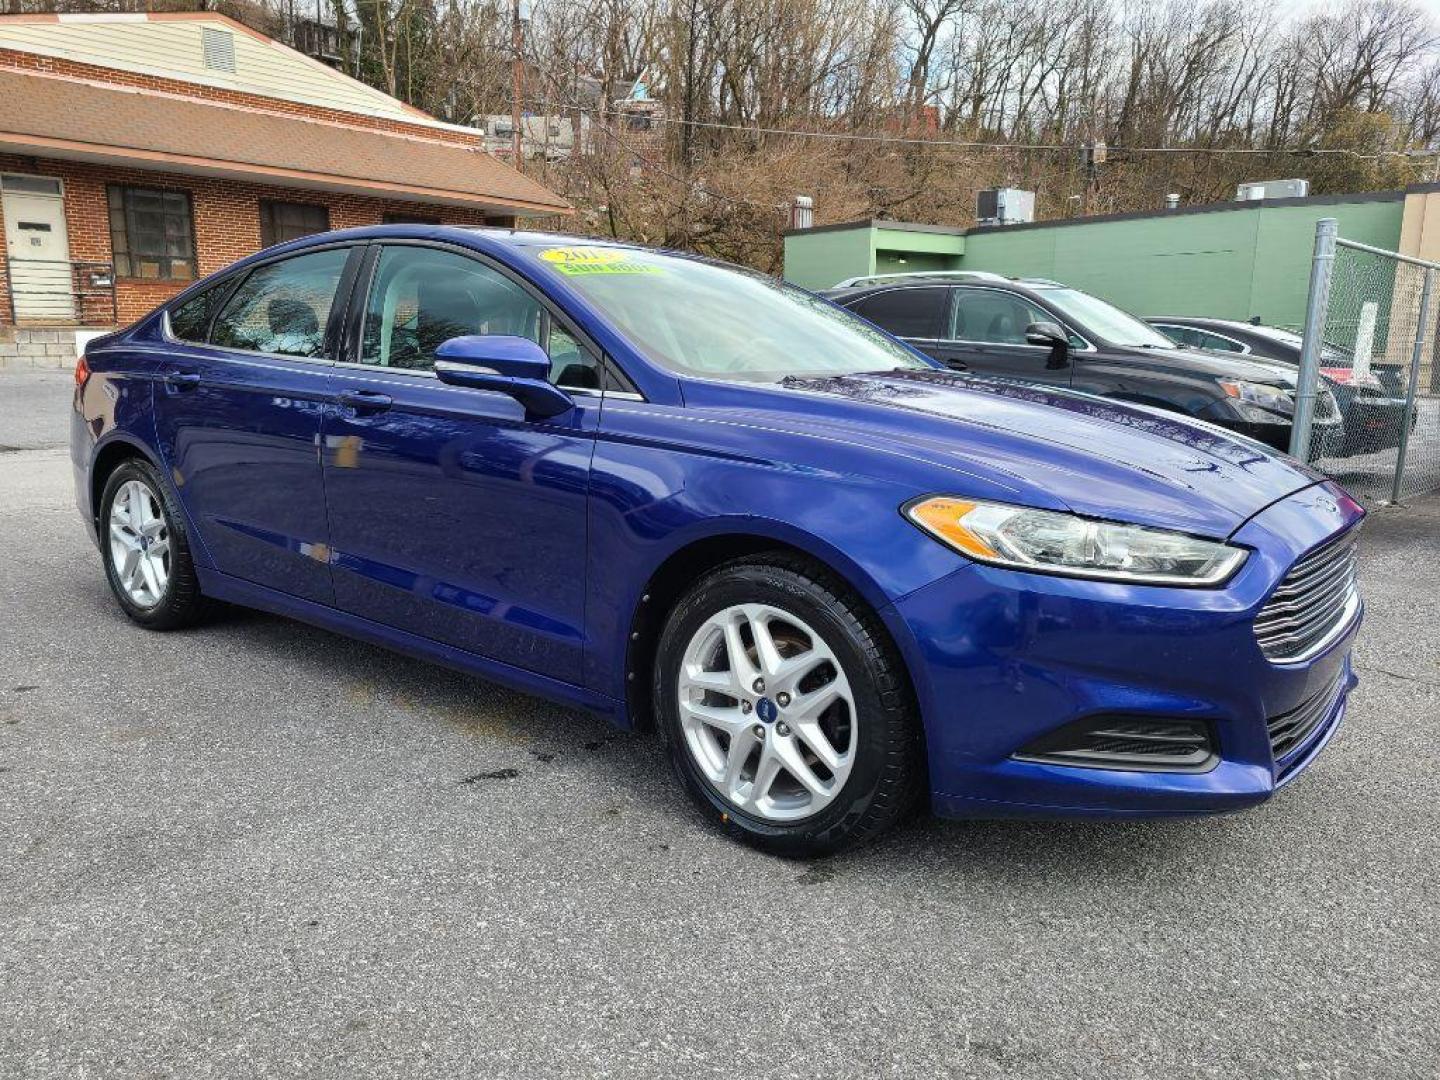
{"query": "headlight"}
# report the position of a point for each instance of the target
(1259, 401)
(1058, 543)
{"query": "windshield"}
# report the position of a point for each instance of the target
(1104, 320)
(719, 322)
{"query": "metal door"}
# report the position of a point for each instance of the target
(38, 248)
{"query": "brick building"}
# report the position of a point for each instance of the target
(139, 152)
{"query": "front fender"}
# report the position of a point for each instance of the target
(654, 498)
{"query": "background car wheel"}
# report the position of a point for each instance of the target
(146, 551)
(787, 714)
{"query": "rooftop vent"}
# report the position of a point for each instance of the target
(1272, 189)
(1004, 206)
(218, 47)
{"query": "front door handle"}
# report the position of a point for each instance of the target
(366, 401)
(182, 380)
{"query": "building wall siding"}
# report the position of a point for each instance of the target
(173, 45)
(49, 65)
(1231, 263)
(818, 260)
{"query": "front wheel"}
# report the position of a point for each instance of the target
(146, 551)
(788, 716)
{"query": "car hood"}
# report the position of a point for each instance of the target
(1221, 365)
(1031, 445)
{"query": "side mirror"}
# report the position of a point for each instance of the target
(1048, 334)
(511, 365)
(1053, 337)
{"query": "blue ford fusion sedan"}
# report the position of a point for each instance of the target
(836, 578)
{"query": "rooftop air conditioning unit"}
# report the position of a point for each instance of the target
(1272, 189)
(1004, 206)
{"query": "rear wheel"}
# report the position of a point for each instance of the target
(145, 549)
(787, 714)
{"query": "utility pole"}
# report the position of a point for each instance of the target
(687, 128)
(1093, 156)
(517, 78)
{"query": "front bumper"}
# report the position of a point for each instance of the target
(1327, 436)
(1003, 658)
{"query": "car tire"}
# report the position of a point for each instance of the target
(877, 777)
(146, 550)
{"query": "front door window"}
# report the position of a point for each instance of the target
(423, 297)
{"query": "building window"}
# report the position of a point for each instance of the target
(281, 221)
(152, 233)
(400, 217)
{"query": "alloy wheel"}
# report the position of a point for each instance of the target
(767, 712)
(139, 543)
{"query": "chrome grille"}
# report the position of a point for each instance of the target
(1292, 730)
(1316, 598)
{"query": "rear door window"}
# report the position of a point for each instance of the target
(912, 313)
(1182, 335)
(282, 307)
(1221, 344)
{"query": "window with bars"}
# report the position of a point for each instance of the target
(152, 233)
(281, 221)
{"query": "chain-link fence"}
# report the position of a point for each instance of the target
(1371, 340)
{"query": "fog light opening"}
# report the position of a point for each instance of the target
(1132, 743)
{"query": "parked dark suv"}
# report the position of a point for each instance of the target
(1372, 402)
(1039, 331)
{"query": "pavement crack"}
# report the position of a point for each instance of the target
(496, 774)
(1397, 675)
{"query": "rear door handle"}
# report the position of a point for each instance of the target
(366, 401)
(182, 380)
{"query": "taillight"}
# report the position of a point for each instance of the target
(82, 370)
(1344, 376)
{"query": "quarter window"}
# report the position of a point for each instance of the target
(152, 233)
(282, 221)
(191, 320)
(283, 307)
(906, 312)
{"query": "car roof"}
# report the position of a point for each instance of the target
(907, 276)
(1023, 286)
(1203, 321)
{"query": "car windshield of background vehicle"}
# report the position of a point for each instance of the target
(699, 318)
(1104, 320)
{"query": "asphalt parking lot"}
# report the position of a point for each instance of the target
(261, 850)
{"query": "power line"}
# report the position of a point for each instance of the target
(958, 144)
(604, 127)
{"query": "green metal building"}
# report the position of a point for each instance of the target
(1228, 260)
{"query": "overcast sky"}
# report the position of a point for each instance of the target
(1302, 6)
